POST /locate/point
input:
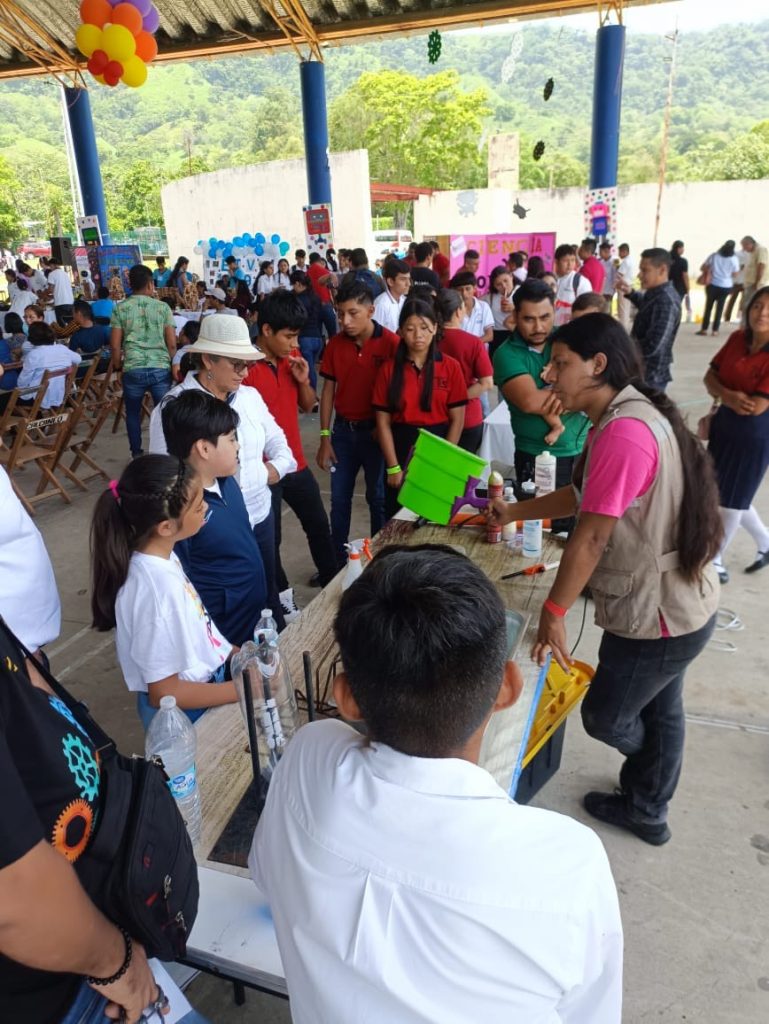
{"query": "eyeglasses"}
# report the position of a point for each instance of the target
(238, 365)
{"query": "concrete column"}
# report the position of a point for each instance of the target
(607, 105)
(313, 78)
(78, 106)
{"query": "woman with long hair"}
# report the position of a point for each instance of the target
(178, 278)
(419, 388)
(282, 275)
(647, 532)
(738, 378)
(720, 270)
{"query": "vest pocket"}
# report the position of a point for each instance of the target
(611, 589)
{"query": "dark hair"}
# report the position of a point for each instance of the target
(103, 292)
(727, 249)
(447, 302)
(171, 303)
(517, 259)
(423, 640)
(563, 250)
(536, 266)
(421, 308)
(151, 489)
(678, 244)
(472, 254)
(353, 290)
(139, 277)
(589, 244)
(9, 272)
(282, 310)
(172, 280)
(315, 257)
(423, 251)
(462, 278)
(393, 266)
(231, 259)
(299, 277)
(657, 257)
(190, 331)
(532, 291)
(436, 247)
(358, 258)
(589, 300)
(299, 253)
(623, 245)
(13, 324)
(605, 245)
(195, 415)
(82, 307)
(40, 333)
(498, 272)
(699, 528)
(37, 310)
(159, 260)
(762, 293)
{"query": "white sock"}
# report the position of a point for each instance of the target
(751, 521)
(730, 517)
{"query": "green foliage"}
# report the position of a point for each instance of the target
(10, 222)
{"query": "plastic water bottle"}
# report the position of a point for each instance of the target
(266, 628)
(273, 706)
(509, 529)
(544, 473)
(171, 737)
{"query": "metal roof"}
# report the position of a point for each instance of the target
(38, 36)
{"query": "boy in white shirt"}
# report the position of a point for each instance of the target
(388, 305)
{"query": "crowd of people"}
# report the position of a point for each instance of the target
(186, 554)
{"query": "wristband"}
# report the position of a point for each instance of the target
(554, 609)
(103, 982)
(325, 433)
(392, 470)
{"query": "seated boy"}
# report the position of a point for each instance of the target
(405, 885)
(222, 560)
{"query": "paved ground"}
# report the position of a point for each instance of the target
(696, 912)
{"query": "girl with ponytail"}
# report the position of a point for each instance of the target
(166, 642)
(648, 527)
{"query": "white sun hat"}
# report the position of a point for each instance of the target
(222, 335)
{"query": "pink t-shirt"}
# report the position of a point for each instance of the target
(623, 465)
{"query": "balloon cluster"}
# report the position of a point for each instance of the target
(117, 37)
(242, 246)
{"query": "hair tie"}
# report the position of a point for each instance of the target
(115, 492)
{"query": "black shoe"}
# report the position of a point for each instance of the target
(760, 562)
(314, 581)
(612, 808)
(723, 574)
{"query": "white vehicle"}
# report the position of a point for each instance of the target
(395, 241)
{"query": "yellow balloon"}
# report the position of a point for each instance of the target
(134, 72)
(87, 39)
(118, 43)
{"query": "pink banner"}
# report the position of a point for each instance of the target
(494, 250)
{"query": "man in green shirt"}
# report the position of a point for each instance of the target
(518, 365)
(143, 341)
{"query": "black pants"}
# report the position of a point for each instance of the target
(734, 294)
(715, 296)
(301, 493)
(405, 437)
(470, 438)
(564, 467)
(64, 314)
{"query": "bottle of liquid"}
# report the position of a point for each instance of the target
(354, 566)
(544, 473)
(509, 529)
(532, 528)
(262, 679)
(266, 628)
(495, 489)
(171, 737)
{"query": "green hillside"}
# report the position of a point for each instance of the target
(210, 114)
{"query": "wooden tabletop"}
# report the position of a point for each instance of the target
(223, 761)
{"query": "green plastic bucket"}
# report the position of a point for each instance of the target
(436, 476)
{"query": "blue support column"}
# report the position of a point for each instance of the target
(607, 104)
(78, 107)
(313, 78)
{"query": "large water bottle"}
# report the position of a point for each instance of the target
(171, 737)
(262, 679)
(266, 628)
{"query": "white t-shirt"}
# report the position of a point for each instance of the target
(627, 269)
(29, 600)
(62, 287)
(721, 269)
(20, 299)
(499, 314)
(565, 294)
(38, 281)
(413, 889)
(266, 284)
(162, 627)
(47, 357)
(610, 276)
(387, 310)
(478, 319)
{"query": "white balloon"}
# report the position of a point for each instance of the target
(238, 251)
(198, 250)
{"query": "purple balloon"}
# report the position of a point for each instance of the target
(151, 21)
(142, 6)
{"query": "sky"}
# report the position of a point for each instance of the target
(693, 15)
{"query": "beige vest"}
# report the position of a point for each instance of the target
(637, 578)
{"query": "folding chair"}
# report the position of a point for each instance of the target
(89, 417)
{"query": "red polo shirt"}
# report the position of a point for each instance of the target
(593, 270)
(441, 267)
(280, 391)
(449, 391)
(354, 370)
(739, 370)
(315, 271)
(470, 352)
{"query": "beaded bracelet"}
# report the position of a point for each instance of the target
(129, 951)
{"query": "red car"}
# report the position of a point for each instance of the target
(34, 249)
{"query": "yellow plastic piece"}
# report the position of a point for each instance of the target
(560, 696)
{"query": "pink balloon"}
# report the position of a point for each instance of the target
(151, 21)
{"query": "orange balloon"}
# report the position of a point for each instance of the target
(95, 12)
(146, 47)
(128, 16)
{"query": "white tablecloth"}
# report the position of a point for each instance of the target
(498, 443)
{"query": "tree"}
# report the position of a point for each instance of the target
(278, 133)
(418, 131)
(10, 222)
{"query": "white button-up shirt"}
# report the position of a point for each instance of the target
(259, 435)
(478, 319)
(409, 890)
(387, 310)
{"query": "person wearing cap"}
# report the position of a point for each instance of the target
(220, 359)
(216, 302)
(143, 341)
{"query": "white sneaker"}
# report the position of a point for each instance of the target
(290, 611)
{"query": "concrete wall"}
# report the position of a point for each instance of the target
(264, 197)
(703, 214)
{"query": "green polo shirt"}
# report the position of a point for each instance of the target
(143, 320)
(514, 358)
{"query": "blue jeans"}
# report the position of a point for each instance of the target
(136, 383)
(311, 349)
(88, 1008)
(354, 449)
(328, 318)
(635, 704)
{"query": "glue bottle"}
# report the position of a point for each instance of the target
(495, 489)
(544, 473)
(532, 528)
(354, 566)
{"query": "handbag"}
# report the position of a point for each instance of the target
(139, 867)
(703, 424)
(706, 275)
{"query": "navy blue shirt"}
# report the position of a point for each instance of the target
(90, 339)
(225, 566)
(311, 303)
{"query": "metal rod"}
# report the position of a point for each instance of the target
(308, 686)
(253, 743)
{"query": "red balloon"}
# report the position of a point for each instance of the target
(110, 79)
(98, 62)
(113, 70)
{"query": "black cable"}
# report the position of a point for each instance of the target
(581, 628)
